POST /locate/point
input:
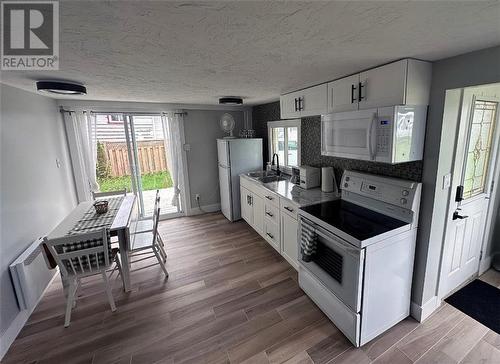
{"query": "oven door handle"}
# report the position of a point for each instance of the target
(344, 246)
(371, 147)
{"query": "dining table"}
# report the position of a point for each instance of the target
(120, 219)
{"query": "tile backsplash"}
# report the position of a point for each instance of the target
(311, 148)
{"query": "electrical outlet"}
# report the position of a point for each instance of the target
(197, 196)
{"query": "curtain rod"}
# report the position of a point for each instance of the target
(63, 110)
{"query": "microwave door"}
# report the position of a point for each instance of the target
(349, 135)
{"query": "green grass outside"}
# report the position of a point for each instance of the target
(150, 181)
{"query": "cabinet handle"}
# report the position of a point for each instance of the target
(360, 92)
(296, 105)
(288, 208)
(301, 105)
(353, 98)
(269, 214)
(269, 198)
(272, 237)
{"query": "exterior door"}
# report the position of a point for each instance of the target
(475, 161)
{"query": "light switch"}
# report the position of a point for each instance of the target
(58, 163)
(446, 181)
(187, 147)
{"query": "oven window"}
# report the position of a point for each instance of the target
(329, 260)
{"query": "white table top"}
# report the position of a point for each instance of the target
(121, 220)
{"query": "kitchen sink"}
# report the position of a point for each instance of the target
(269, 179)
(261, 174)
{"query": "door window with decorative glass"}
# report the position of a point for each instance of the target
(284, 140)
(482, 127)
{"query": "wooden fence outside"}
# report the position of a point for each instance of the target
(150, 154)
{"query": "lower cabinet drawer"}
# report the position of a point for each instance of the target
(289, 208)
(272, 233)
(271, 212)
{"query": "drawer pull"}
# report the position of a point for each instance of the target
(288, 208)
(269, 214)
(269, 198)
(270, 235)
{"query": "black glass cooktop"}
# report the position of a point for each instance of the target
(359, 222)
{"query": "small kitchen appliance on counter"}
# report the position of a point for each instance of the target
(356, 253)
(328, 183)
(295, 179)
(309, 177)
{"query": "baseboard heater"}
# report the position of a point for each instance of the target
(31, 276)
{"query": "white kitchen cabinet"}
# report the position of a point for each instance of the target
(404, 82)
(308, 102)
(246, 205)
(289, 105)
(272, 233)
(383, 86)
(252, 209)
(343, 94)
(314, 101)
(289, 239)
(258, 213)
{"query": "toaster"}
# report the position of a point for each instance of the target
(309, 177)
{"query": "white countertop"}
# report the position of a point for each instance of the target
(294, 193)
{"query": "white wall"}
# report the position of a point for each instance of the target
(476, 68)
(201, 129)
(35, 195)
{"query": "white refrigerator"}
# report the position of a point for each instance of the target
(236, 156)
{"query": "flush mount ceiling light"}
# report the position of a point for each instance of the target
(61, 88)
(231, 100)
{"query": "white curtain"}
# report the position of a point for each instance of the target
(83, 125)
(172, 124)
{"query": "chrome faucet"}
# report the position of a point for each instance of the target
(278, 172)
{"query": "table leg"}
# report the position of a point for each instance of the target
(122, 240)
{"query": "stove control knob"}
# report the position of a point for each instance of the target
(346, 185)
(405, 193)
(347, 178)
(403, 201)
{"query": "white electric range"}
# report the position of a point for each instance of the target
(356, 253)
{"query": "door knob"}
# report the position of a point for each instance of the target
(456, 216)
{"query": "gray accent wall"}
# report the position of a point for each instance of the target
(35, 195)
(201, 130)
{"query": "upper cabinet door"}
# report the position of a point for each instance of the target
(343, 94)
(313, 100)
(289, 105)
(383, 86)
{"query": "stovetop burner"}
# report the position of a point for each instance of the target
(359, 222)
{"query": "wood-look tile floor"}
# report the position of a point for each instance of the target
(230, 298)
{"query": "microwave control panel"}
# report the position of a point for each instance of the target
(384, 135)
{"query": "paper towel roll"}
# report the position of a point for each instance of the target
(327, 178)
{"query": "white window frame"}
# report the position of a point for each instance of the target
(284, 124)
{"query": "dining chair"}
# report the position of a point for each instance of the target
(147, 244)
(98, 195)
(145, 225)
(80, 256)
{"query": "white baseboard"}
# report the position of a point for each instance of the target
(204, 209)
(420, 313)
(485, 264)
(9, 335)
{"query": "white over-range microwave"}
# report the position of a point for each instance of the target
(389, 134)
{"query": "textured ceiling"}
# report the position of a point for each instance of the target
(194, 52)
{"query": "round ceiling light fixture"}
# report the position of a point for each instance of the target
(231, 100)
(61, 88)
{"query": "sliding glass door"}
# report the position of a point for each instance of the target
(133, 153)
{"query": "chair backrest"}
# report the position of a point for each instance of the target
(82, 254)
(97, 195)
(157, 201)
(156, 219)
